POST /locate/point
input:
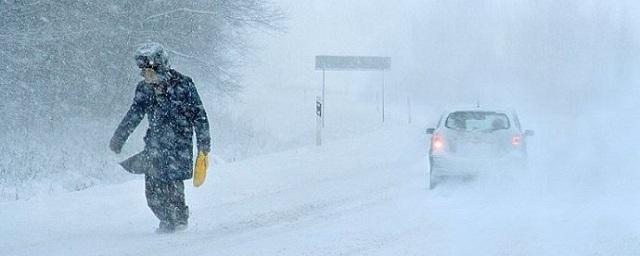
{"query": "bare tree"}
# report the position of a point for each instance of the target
(76, 55)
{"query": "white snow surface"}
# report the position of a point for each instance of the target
(365, 195)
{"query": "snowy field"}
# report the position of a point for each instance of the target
(360, 196)
(568, 67)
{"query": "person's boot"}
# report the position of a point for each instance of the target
(182, 218)
(165, 227)
(181, 225)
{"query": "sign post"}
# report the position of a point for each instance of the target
(409, 108)
(322, 102)
(383, 96)
(351, 63)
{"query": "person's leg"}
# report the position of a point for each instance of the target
(156, 191)
(178, 206)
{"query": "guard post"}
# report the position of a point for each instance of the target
(318, 121)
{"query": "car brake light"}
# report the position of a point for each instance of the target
(437, 142)
(516, 140)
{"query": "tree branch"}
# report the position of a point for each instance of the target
(180, 10)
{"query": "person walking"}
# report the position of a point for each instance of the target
(174, 111)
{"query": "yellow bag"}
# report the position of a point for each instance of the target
(200, 169)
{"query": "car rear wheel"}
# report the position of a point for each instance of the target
(432, 182)
(433, 177)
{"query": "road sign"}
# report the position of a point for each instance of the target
(349, 63)
(324, 62)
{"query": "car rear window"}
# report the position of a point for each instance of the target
(477, 121)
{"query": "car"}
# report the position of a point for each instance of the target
(472, 140)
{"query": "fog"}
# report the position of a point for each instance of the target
(567, 67)
(569, 55)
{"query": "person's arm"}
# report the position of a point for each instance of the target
(200, 120)
(131, 119)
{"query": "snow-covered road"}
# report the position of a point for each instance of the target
(361, 196)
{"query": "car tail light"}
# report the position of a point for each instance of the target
(437, 141)
(516, 140)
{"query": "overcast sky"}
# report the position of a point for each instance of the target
(565, 56)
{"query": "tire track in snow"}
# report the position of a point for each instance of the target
(292, 219)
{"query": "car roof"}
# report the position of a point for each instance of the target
(508, 112)
(479, 110)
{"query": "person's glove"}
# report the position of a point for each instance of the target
(116, 145)
(200, 169)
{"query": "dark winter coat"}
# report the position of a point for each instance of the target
(173, 116)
